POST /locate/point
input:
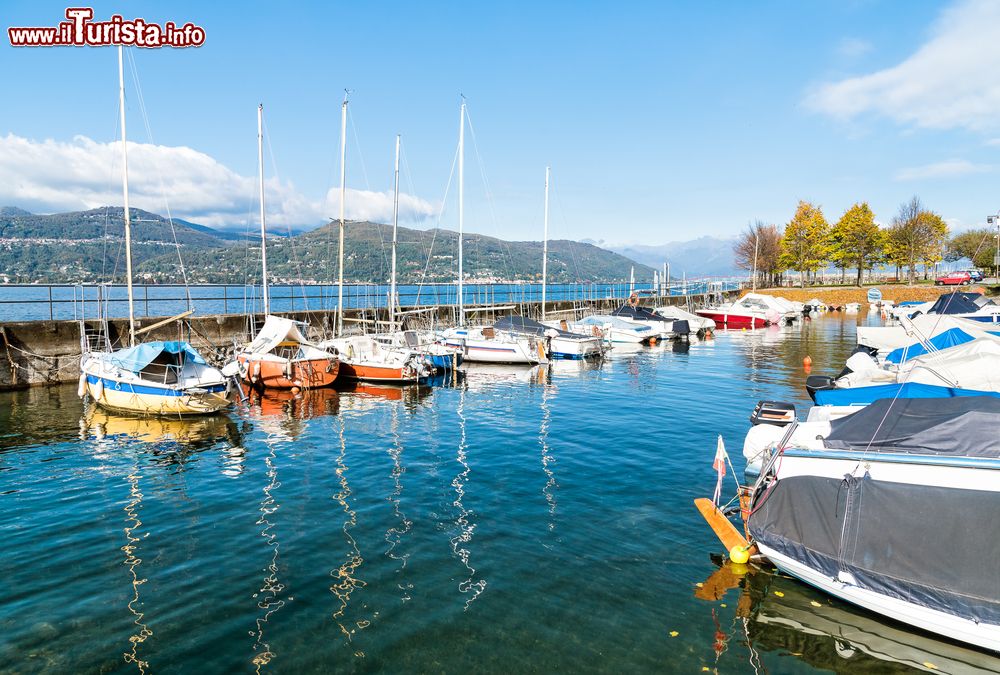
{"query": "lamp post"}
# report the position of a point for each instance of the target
(995, 220)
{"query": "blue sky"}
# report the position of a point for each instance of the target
(662, 121)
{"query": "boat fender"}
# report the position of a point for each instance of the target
(99, 389)
(288, 370)
(81, 390)
(255, 372)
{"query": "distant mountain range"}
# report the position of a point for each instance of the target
(87, 246)
(705, 256)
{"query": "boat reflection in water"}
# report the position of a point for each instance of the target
(168, 440)
(782, 615)
(487, 375)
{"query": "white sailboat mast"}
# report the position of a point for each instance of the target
(395, 222)
(128, 220)
(461, 210)
(545, 241)
(343, 198)
(263, 234)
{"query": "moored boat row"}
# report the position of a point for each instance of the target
(885, 495)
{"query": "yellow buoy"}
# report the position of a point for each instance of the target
(739, 555)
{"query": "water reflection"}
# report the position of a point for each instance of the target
(548, 490)
(464, 521)
(267, 597)
(394, 535)
(345, 576)
(132, 561)
(480, 376)
(777, 614)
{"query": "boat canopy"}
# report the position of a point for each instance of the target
(887, 338)
(959, 427)
(949, 338)
(136, 358)
(526, 326)
(759, 301)
(614, 321)
(907, 536)
(959, 303)
(275, 331)
(639, 314)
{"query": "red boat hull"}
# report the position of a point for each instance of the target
(305, 374)
(726, 320)
(370, 373)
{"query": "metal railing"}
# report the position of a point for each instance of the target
(38, 302)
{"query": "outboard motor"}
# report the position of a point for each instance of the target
(816, 383)
(681, 329)
(776, 413)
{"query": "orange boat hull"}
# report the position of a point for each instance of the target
(359, 371)
(305, 374)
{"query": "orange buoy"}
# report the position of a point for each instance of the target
(807, 361)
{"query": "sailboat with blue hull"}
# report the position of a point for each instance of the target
(150, 378)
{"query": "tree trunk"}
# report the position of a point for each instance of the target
(861, 271)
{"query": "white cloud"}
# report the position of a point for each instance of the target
(947, 169)
(951, 81)
(993, 142)
(50, 176)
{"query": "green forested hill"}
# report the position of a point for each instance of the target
(87, 246)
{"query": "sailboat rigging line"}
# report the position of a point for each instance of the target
(437, 227)
(291, 239)
(159, 176)
(504, 246)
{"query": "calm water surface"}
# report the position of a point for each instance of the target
(520, 521)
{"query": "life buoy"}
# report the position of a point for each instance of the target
(633, 300)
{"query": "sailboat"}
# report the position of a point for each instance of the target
(149, 378)
(484, 343)
(363, 357)
(280, 356)
(436, 357)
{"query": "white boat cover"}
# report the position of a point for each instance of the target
(275, 331)
(926, 326)
(974, 365)
(761, 302)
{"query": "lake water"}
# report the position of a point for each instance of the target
(42, 302)
(517, 521)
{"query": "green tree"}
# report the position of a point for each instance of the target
(979, 246)
(804, 244)
(856, 241)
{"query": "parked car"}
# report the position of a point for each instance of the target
(954, 279)
(976, 275)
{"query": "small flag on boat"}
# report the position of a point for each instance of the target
(720, 468)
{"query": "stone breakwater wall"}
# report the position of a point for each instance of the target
(35, 353)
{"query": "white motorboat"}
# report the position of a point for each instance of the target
(560, 344)
(485, 344)
(697, 323)
(896, 513)
(613, 329)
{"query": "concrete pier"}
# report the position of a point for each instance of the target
(35, 353)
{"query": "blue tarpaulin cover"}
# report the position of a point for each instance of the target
(136, 358)
(949, 338)
(866, 395)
